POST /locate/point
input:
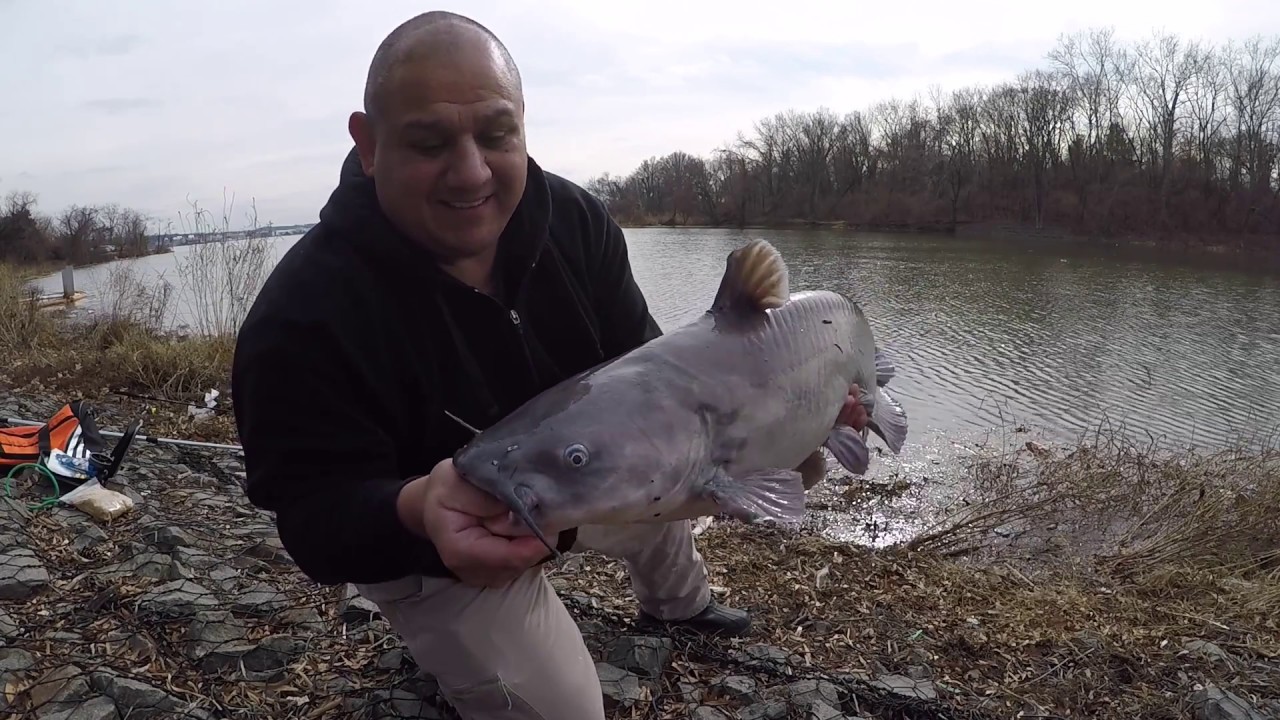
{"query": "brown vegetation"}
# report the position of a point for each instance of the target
(1168, 138)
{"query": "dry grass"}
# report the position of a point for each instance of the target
(1129, 508)
(135, 340)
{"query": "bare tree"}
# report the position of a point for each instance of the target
(1161, 136)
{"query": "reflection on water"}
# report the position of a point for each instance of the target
(991, 334)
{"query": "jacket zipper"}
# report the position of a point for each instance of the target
(524, 342)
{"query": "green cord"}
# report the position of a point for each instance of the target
(45, 504)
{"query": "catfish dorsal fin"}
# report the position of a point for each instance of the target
(755, 279)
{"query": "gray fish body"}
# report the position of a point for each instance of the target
(710, 418)
(770, 386)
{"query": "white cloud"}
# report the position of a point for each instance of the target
(147, 102)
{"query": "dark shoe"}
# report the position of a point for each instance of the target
(715, 619)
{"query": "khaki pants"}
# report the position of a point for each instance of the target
(514, 651)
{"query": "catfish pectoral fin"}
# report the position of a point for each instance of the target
(773, 494)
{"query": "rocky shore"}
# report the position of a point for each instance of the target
(188, 606)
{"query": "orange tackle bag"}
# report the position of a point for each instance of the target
(71, 430)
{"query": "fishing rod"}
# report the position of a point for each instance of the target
(143, 438)
(148, 398)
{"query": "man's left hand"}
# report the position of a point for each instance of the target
(853, 413)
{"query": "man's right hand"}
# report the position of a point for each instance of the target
(452, 514)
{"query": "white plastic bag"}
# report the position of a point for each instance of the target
(95, 500)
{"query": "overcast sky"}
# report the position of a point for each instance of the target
(147, 102)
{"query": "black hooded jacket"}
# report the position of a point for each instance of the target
(358, 344)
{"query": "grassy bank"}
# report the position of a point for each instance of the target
(121, 352)
(1099, 581)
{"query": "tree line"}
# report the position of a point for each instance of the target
(1164, 137)
(79, 234)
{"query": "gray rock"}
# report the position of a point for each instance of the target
(59, 691)
(8, 627)
(194, 557)
(223, 573)
(401, 704)
(96, 708)
(593, 634)
(355, 609)
(621, 688)
(271, 550)
(391, 659)
(1214, 703)
(89, 537)
(261, 598)
(145, 564)
(305, 620)
(211, 630)
(143, 647)
(178, 599)
(821, 711)
(15, 660)
(766, 658)
(708, 712)
(644, 655)
(167, 538)
(22, 576)
(13, 512)
(135, 700)
(907, 687)
(689, 692)
(804, 694)
(739, 688)
(67, 516)
(768, 710)
(274, 654)
(261, 662)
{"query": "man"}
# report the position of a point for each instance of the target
(448, 280)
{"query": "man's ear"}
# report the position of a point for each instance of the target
(361, 129)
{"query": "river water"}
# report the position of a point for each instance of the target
(989, 335)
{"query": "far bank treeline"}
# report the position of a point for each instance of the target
(1164, 138)
(78, 235)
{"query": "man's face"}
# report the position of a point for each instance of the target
(447, 149)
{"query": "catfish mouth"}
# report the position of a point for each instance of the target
(523, 502)
(520, 499)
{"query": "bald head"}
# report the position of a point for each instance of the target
(442, 135)
(433, 37)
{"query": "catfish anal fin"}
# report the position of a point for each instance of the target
(849, 449)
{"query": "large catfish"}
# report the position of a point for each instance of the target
(712, 418)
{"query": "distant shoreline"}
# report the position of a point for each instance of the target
(1240, 246)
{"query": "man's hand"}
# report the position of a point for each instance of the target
(452, 514)
(853, 413)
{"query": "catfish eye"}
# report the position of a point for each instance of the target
(576, 455)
